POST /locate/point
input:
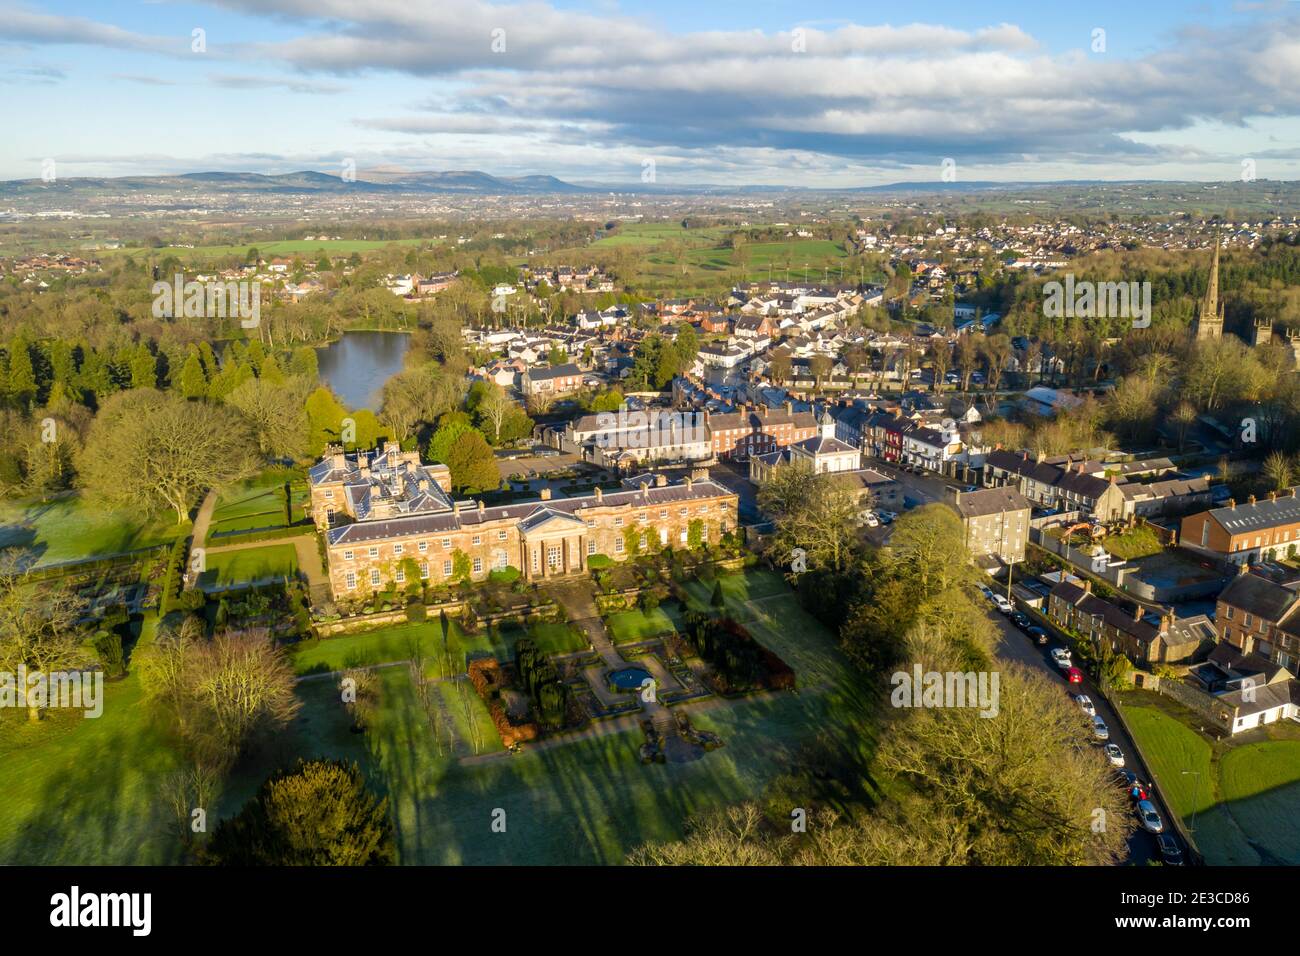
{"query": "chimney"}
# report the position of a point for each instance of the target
(1080, 468)
(1087, 585)
(1242, 568)
(600, 495)
(645, 486)
(661, 480)
(1166, 622)
(1138, 611)
(1250, 500)
(1272, 496)
(481, 507)
(546, 494)
(456, 507)
(689, 482)
(1232, 504)
(789, 408)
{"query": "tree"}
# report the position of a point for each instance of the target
(324, 419)
(493, 410)
(926, 543)
(194, 382)
(275, 413)
(472, 464)
(318, 814)
(812, 512)
(1279, 469)
(38, 631)
(148, 450)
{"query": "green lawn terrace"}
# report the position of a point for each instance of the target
(1239, 798)
(73, 528)
(258, 505)
(248, 566)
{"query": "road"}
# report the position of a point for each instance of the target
(1016, 646)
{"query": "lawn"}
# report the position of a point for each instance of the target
(72, 528)
(309, 250)
(272, 562)
(637, 625)
(258, 503)
(81, 791)
(1246, 795)
(399, 643)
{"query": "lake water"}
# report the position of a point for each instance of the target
(358, 364)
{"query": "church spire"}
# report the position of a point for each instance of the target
(1209, 313)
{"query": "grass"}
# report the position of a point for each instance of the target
(1244, 792)
(637, 625)
(87, 791)
(400, 643)
(246, 565)
(1138, 542)
(82, 791)
(309, 250)
(258, 503)
(72, 528)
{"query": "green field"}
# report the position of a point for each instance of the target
(286, 247)
(1139, 542)
(1246, 795)
(246, 565)
(71, 528)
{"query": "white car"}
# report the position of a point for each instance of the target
(1003, 604)
(1099, 729)
(1151, 822)
(1062, 657)
(870, 520)
(1085, 704)
(1114, 755)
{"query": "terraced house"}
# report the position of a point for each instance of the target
(386, 516)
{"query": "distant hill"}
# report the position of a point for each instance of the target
(305, 181)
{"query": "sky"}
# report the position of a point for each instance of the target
(812, 94)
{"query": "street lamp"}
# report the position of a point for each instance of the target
(1196, 793)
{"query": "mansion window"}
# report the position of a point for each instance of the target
(501, 535)
(478, 539)
(374, 551)
(401, 575)
(618, 547)
(446, 544)
(446, 569)
(478, 565)
(374, 577)
(591, 545)
(397, 549)
(618, 522)
(553, 557)
(347, 555)
(424, 570)
(500, 561)
(351, 579)
(423, 546)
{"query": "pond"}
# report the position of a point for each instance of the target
(358, 364)
(629, 678)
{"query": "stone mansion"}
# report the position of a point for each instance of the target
(378, 509)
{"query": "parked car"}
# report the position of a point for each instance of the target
(1099, 728)
(1021, 620)
(1003, 605)
(986, 591)
(1085, 703)
(1126, 778)
(1151, 822)
(1062, 657)
(870, 520)
(886, 517)
(1114, 755)
(1037, 633)
(1170, 852)
(1073, 675)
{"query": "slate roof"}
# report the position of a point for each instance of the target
(1257, 595)
(991, 501)
(1263, 514)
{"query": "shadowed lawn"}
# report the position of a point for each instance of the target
(259, 502)
(74, 528)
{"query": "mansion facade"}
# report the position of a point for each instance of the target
(385, 516)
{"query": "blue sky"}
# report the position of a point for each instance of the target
(811, 94)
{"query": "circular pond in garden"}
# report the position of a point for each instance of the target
(629, 678)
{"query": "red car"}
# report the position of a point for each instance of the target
(1074, 675)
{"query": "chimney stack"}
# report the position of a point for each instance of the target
(1087, 585)
(661, 480)
(1138, 611)
(546, 494)
(600, 495)
(481, 507)
(1250, 500)
(1232, 504)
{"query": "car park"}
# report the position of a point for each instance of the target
(1085, 704)
(1114, 755)
(1149, 817)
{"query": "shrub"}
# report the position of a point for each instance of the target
(108, 646)
(416, 612)
(598, 562)
(507, 575)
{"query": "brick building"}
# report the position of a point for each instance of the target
(386, 516)
(757, 431)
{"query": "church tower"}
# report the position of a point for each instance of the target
(1209, 314)
(1262, 332)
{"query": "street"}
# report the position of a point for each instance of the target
(1017, 646)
